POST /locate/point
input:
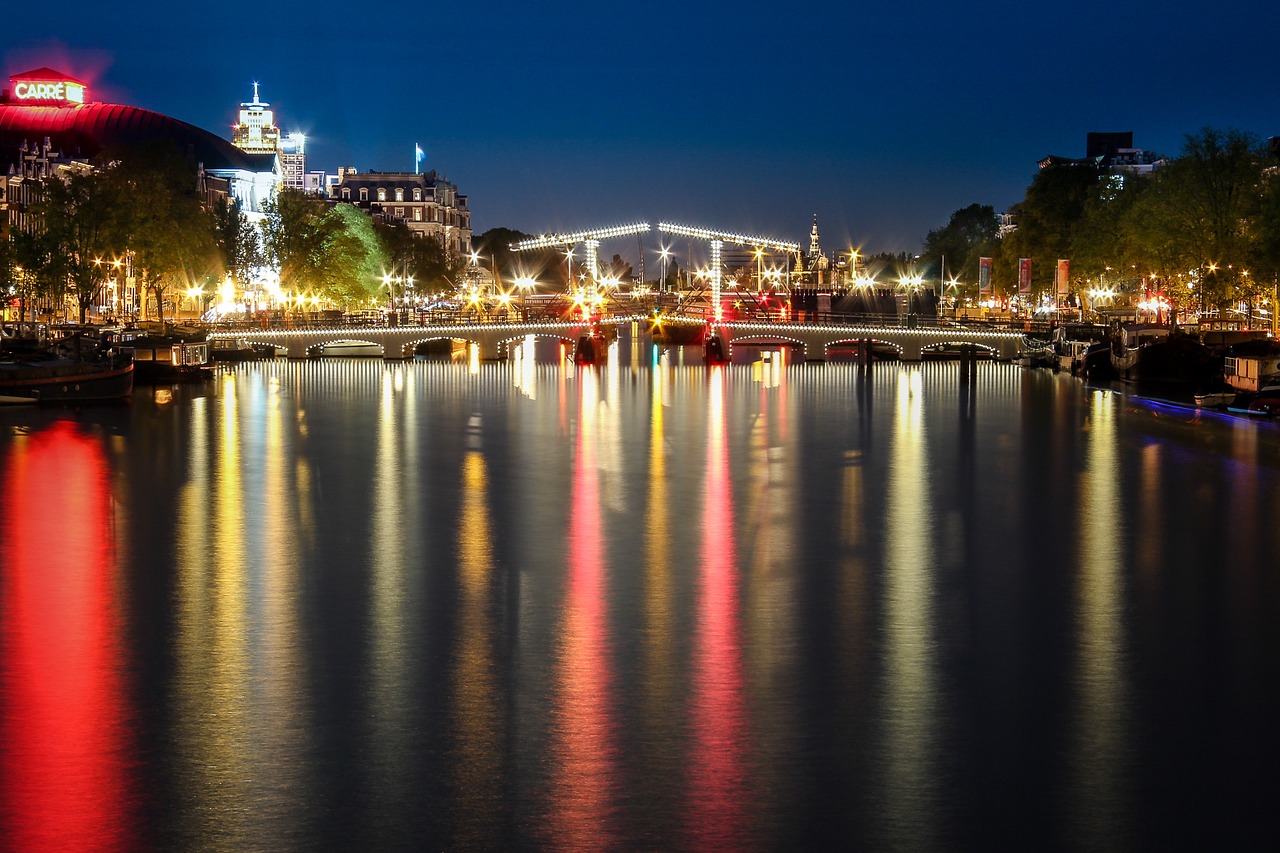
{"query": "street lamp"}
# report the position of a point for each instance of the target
(665, 253)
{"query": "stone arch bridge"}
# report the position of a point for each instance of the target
(815, 339)
(494, 339)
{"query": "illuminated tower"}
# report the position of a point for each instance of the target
(256, 132)
(293, 161)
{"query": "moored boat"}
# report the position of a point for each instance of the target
(238, 349)
(52, 378)
(1072, 342)
(1215, 399)
(164, 355)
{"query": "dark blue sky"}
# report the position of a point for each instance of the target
(745, 116)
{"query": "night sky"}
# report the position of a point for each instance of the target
(749, 117)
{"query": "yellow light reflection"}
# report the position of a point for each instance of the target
(478, 760)
(1101, 712)
(212, 654)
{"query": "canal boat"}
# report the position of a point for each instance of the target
(51, 377)
(238, 349)
(1128, 344)
(1215, 399)
(165, 355)
(1072, 342)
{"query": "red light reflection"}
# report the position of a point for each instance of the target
(63, 784)
(583, 748)
(718, 799)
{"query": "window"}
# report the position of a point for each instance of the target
(364, 193)
(382, 194)
(399, 194)
(346, 192)
(417, 214)
(400, 212)
(417, 194)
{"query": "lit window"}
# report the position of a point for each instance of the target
(399, 194)
(382, 194)
(417, 214)
(417, 194)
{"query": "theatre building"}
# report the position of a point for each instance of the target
(49, 124)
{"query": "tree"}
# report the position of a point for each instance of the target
(37, 270)
(971, 233)
(1048, 219)
(238, 242)
(424, 257)
(616, 268)
(333, 252)
(163, 224)
(1202, 210)
(78, 214)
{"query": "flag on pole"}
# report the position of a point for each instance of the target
(418, 154)
(984, 276)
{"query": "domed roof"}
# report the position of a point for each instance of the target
(83, 130)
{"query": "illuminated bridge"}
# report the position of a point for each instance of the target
(815, 339)
(493, 340)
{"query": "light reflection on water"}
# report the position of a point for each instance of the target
(334, 604)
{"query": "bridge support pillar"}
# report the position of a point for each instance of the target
(911, 350)
(968, 364)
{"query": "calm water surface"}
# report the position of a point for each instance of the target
(352, 605)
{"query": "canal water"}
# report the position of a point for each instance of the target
(342, 605)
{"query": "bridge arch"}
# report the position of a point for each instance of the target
(857, 343)
(766, 340)
(942, 346)
(354, 343)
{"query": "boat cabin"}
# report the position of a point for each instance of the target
(1250, 373)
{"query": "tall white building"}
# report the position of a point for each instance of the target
(293, 161)
(256, 131)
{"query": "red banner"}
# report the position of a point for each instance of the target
(1024, 276)
(1064, 277)
(984, 276)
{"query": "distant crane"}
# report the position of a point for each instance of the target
(717, 239)
(589, 239)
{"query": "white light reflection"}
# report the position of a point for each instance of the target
(390, 618)
(912, 784)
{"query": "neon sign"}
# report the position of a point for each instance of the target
(49, 91)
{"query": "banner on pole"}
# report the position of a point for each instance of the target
(1024, 276)
(1064, 277)
(984, 276)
